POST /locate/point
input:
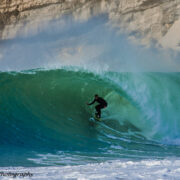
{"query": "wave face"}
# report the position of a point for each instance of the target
(44, 113)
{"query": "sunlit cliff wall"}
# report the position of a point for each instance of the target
(144, 21)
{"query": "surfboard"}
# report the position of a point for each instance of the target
(94, 119)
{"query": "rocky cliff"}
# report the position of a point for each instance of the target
(143, 20)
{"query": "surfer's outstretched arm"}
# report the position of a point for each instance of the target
(92, 102)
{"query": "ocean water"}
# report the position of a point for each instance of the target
(46, 128)
(47, 77)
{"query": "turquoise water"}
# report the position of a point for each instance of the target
(45, 120)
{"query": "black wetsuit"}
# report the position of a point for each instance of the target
(102, 104)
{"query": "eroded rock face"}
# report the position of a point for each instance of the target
(150, 20)
(143, 20)
(15, 14)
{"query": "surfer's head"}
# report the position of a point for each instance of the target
(96, 96)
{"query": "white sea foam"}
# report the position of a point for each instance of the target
(116, 169)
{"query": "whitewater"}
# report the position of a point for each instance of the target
(45, 128)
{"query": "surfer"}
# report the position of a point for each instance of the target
(102, 104)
